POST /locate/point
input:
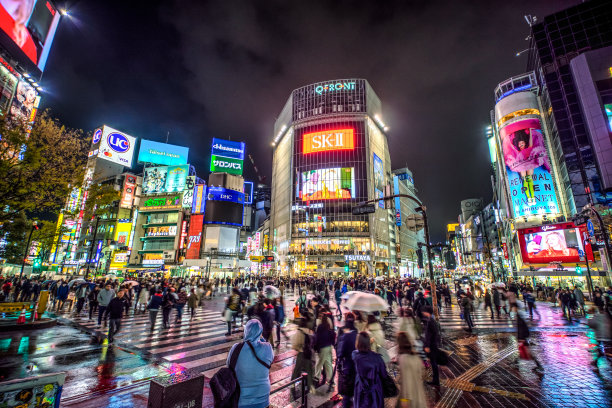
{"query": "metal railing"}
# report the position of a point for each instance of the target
(304, 380)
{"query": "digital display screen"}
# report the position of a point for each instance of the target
(223, 212)
(165, 179)
(554, 243)
(328, 184)
(162, 153)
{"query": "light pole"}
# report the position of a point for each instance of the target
(25, 252)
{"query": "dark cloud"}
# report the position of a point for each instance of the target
(206, 69)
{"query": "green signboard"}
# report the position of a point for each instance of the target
(225, 165)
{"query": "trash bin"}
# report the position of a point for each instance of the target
(180, 390)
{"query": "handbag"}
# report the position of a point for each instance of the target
(441, 357)
(523, 351)
(389, 387)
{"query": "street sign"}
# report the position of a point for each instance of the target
(590, 228)
(364, 209)
(581, 253)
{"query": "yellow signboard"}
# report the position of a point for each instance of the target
(254, 258)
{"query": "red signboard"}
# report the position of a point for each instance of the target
(194, 237)
(336, 139)
(554, 243)
(129, 190)
(505, 248)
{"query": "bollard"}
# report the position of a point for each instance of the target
(304, 390)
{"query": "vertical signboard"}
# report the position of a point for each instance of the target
(398, 203)
(227, 156)
(379, 178)
(194, 236)
(188, 193)
(129, 189)
(199, 199)
(528, 168)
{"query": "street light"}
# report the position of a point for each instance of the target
(25, 255)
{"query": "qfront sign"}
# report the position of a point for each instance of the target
(333, 87)
(327, 140)
(225, 165)
(116, 147)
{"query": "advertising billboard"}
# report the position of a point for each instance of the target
(225, 165)
(27, 28)
(188, 193)
(379, 178)
(162, 153)
(122, 233)
(117, 147)
(223, 212)
(25, 102)
(336, 139)
(227, 148)
(328, 184)
(129, 190)
(554, 243)
(162, 203)
(199, 199)
(194, 240)
(165, 179)
(248, 192)
(223, 194)
(528, 168)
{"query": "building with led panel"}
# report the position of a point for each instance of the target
(330, 153)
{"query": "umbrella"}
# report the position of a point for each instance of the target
(271, 292)
(79, 280)
(366, 302)
(379, 278)
(348, 294)
(131, 282)
(499, 284)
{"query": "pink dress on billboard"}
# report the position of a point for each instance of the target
(530, 157)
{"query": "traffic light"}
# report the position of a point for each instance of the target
(346, 268)
(419, 253)
(578, 269)
(36, 264)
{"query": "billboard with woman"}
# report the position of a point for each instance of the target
(554, 243)
(528, 167)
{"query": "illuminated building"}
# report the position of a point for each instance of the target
(330, 153)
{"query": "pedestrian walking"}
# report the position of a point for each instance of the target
(92, 299)
(180, 305)
(252, 367)
(579, 297)
(104, 298)
(168, 302)
(345, 367)
(522, 335)
(232, 306)
(325, 338)
(531, 303)
(370, 371)
(466, 308)
(62, 294)
(193, 301)
(153, 306)
(302, 343)
(81, 295)
(377, 334)
(115, 311)
(488, 302)
(431, 343)
(412, 392)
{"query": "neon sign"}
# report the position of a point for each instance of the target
(338, 139)
(338, 86)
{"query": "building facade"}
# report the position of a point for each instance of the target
(330, 153)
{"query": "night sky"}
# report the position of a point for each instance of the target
(225, 68)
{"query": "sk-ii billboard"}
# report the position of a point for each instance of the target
(528, 168)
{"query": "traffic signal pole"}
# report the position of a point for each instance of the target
(423, 210)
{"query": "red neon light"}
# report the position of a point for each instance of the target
(328, 140)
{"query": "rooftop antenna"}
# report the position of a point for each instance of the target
(167, 136)
(531, 20)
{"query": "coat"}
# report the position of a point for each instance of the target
(346, 366)
(370, 369)
(411, 380)
(253, 377)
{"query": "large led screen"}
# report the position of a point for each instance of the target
(328, 140)
(165, 179)
(27, 28)
(162, 153)
(328, 184)
(528, 168)
(553, 243)
(223, 212)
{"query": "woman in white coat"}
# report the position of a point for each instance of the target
(412, 391)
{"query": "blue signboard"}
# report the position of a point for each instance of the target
(248, 192)
(223, 194)
(590, 228)
(199, 199)
(227, 148)
(162, 153)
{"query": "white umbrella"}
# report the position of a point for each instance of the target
(366, 302)
(79, 280)
(379, 278)
(348, 294)
(131, 282)
(499, 284)
(271, 292)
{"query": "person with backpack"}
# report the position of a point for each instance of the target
(154, 304)
(250, 361)
(302, 342)
(302, 304)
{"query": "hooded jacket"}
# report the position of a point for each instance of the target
(253, 377)
(370, 369)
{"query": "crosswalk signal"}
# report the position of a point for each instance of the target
(346, 268)
(578, 269)
(419, 253)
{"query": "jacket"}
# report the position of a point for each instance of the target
(324, 338)
(115, 308)
(62, 292)
(432, 334)
(346, 366)
(253, 377)
(411, 382)
(105, 296)
(155, 302)
(370, 369)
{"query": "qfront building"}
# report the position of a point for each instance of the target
(330, 153)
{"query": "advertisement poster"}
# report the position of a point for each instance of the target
(223, 194)
(528, 168)
(328, 184)
(199, 199)
(116, 147)
(24, 102)
(225, 165)
(379, 179)
(122, 233)
(176, 178)
(154, 180)
(162, 153)
(194, 240)
(554, 243)
(129, 190)
(188, 193)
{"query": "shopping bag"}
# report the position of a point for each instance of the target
(524, 351)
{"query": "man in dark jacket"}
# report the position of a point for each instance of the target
(154, 304)
(431, 343)
(347, 337)
(115, 312)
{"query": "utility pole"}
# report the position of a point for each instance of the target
(93, 241)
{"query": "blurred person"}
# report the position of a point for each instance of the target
(115, 311)
(347, 337)
(370, 371)
(412, 392)
(431, 343)
(325, 338)
(153, 306)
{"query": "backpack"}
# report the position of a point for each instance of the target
(302, 306)
(224, 384)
